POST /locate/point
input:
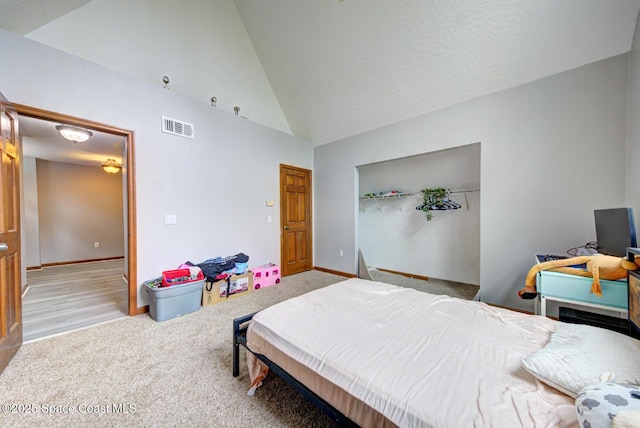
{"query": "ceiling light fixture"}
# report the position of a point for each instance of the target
(73, 134)
(111, 166)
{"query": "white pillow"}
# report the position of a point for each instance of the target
(577, 355)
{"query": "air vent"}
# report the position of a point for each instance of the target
(177, 127)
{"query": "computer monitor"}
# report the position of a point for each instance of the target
(615, 231)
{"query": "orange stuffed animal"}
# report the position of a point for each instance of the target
(598, 267)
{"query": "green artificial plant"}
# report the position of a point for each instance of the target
(433, 198)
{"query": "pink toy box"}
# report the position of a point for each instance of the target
(265, 275)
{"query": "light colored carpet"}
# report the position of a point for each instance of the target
(173, 373)
(432, 286)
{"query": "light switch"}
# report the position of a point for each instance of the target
(170, 219)
(269, 219)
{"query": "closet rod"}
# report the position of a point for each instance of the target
(464, 191)
(452, 191)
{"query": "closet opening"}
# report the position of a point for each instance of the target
(399, 244)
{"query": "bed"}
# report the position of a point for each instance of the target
(375, 354)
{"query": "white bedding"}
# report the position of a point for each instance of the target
(419, 359)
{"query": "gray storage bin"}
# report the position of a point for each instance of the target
(174, 301)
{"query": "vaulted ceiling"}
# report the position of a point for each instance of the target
(340, 68)
(343, 67)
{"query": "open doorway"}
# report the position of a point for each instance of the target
(120, 148)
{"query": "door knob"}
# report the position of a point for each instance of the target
(4, 247)
(286, 228)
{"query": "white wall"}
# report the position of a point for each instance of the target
(392, 234)
(552, 151)
(206, 53)
(78, 205)
(216, 184)
(632, 189)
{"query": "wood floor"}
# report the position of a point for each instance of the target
(66, 298)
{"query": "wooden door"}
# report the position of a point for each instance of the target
(10, 267)
(295, 220)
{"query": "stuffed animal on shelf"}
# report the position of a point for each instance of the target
(598, 266)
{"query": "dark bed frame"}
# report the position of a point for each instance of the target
(240, 326)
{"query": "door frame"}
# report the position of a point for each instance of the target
(283, 198)
(132, 278)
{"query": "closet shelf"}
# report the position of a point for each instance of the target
(375, 198)
(382, 198)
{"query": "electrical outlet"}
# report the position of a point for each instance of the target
(170, 219)
(96, 244)
(341, 253)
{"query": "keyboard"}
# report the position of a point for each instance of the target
(552, 257)
(549, 257)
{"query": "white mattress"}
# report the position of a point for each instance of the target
(420, 360)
